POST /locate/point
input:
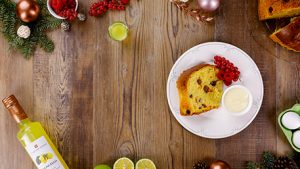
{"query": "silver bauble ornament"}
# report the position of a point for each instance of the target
(209, 5)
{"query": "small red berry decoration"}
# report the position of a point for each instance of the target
(65, 8)
(228, 72)
(100, 8)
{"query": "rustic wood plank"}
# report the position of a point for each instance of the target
(243, 29)
(15, 78)
(287, 85)
(129, 87)
(63, 93)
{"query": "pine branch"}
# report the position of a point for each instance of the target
(268, 160)
(253, 165)
(38, 37)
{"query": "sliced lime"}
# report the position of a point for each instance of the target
(123, 163)
(102, 167)
(145, 164)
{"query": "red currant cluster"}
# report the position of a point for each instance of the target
(228, 72)
(100, 8)
(64, 8)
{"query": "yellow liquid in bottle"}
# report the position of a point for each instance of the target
(118, 31)
(39, 146)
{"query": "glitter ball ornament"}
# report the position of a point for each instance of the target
(23, 31)
(65, 26)
(81, 17)
(209, 5)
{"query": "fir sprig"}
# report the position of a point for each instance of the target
(253, 165)
(10, 22)
(269, 160)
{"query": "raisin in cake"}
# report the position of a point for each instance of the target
(199, 89)
(270, 9)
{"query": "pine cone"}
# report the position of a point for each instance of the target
(81, 17)
(200, 165)
(285, 163)
(65, 26)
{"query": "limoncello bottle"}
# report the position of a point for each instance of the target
(34, 138)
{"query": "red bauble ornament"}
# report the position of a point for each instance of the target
(219, 164)
(28, 10)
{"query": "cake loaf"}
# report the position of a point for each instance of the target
(271, 9)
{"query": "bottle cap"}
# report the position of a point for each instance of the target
(15, 109)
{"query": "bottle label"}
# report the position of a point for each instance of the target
(43, 155)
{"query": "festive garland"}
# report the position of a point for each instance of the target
(10, 22)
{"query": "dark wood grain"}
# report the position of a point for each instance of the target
(15, 77)
(243, 29)
(100, 100)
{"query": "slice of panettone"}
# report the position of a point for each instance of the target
(199, 89)
(289, 36)
(271, 9)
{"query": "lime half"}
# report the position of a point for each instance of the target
(123, 163)
(145, 164)
(102, 167)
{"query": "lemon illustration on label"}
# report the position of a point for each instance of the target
(42, 159)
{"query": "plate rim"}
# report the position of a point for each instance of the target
(235, 131)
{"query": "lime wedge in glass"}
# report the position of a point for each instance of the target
(123, 163)
(145, 164)
(118, 31)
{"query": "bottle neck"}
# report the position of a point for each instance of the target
(15, 109)
(24, 123)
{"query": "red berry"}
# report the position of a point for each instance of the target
(236, 78)
(220, 75)
(228, 83)
(124, 2)
(228, 76)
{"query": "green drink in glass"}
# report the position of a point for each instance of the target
(118, 31)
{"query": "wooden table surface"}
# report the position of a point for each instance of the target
(100, 100)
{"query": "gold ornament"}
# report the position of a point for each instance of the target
(219, 164)
(28, 10)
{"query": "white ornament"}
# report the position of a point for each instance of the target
(184, 0)
(23, 31)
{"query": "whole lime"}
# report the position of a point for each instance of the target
(102, 167)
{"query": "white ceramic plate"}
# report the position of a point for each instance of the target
(216, 123)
